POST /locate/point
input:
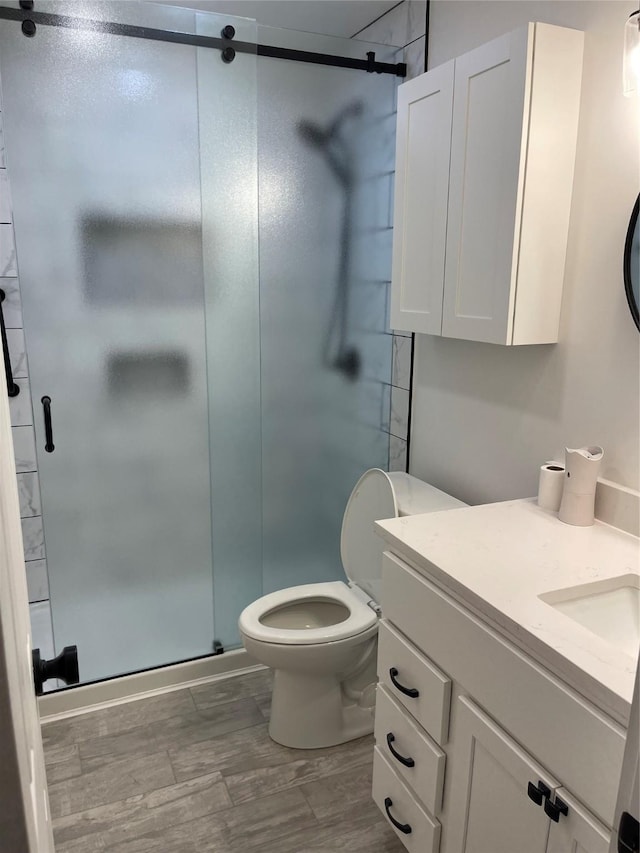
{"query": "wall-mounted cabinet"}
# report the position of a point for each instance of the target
(484, 176)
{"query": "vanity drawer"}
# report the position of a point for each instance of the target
(396, 732)
(398, 804)
(414, 681)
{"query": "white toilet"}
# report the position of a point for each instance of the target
(321, 638)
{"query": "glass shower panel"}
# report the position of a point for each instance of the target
(229, 146)
(326, 150)
(102, 135)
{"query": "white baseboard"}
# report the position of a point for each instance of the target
(153, 682)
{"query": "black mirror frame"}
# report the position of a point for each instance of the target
(626, 264)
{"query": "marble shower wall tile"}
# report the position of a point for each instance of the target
(37, 580)
(42, 630)
(17, 353)
(397, 454)
(390, 28)
(399, 412)
(3, 161)
(401, 371)
(414, 57)
(372, 255)
(369, 306)
(29, 495)
(20, 406)
(11, 307)
(24, 448)
(375, 350)
(5, 198)
(403, 26)
(385, 408)
(33, 538)
(8, 265)
(399, 26)
(374, 197)
(417, 20)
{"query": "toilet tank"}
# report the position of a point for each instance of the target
(415, 496)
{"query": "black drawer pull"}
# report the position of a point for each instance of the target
(405, 828)
(48, 429)
(408, 691)
(408, 762)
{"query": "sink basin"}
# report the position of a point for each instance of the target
(608, 608)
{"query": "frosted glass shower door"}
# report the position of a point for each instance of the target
(102, 137)
(326, 158)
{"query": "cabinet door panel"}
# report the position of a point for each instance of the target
(490, 811)
(578, 831)
(421, 191)
(486, 178)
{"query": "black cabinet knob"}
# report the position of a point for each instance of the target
(538, 792)
(628, 834)
(555, 809)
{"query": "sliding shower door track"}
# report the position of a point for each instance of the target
(30, 18)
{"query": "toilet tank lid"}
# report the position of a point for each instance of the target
(414, 496)
(372, 499)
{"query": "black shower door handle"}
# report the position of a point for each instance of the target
(12, 389)
(48, 431)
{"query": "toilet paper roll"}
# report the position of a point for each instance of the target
(550, 486)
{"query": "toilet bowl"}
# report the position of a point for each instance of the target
(321, 638)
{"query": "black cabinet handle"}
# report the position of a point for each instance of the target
(405, 828)
(628, 834)
(48, 431)
(408, 691)
(554, 810)
(12, 389)
(538, 792)
(408, 762)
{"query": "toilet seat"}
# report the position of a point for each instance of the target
(361, 617)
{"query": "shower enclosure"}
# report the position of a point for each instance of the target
(203, 253)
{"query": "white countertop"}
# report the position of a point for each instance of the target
(498, 558)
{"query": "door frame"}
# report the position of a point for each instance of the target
(25, 820)
(629, 790)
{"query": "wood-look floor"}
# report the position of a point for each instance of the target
(195, 771)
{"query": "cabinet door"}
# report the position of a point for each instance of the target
(421, 190)
(489, 810)
(485, 187)
(578, 831)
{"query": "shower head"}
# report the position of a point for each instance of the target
(319, 137)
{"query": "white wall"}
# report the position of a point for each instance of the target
(485, 417)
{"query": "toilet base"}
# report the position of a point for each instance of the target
(309, 712)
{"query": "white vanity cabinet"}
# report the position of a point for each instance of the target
(486, 749)
(484, 174)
